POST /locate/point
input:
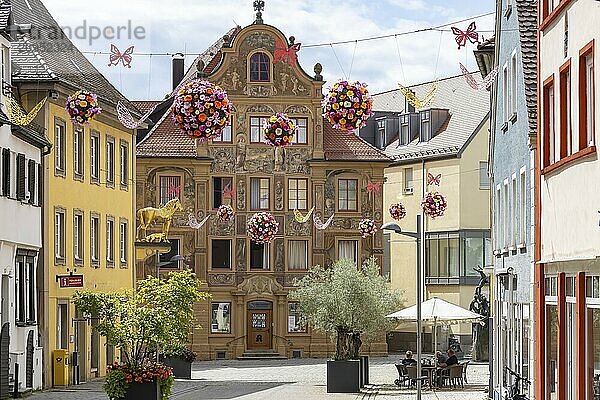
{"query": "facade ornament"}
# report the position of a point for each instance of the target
(221, 279)
(240, 160)
(260, 285)
(278, 194)
(278, 159)
(223, 159)
(296, 160)
(147, 215)
(279, 256)
(240, 254)
(298, 109)
(260, 108)
(284, 80)
(241, 194)
(296, 87)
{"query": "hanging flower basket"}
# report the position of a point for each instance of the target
(348, 106)
(225, 213)
(82, 107)
(434, 205)
(262, 227)
(201, 109)
(397, 211)
(279, 130)
(367, 228)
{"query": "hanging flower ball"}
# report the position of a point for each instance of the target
(367, 227)
(279, 130)
(262, 227)
(434, 205)
(397, 211)
(348, 106)
(82, 107)
(201, 109)
(225, 213)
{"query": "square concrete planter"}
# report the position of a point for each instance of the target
(343, 376)
(143, 391)
(182, 369)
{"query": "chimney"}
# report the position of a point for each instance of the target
(178, 69)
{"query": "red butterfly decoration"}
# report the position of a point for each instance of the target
(173, 190)
(431, 180)
(374, 187)
(229, 193)
(470, 35)
(116, 56)
(285, 54)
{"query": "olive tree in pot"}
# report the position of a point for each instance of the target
(349, 302)
(158, 316)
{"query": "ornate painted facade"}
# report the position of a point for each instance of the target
(325, 169)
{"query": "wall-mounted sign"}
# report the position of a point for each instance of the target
(70, 281)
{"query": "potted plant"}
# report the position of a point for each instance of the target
(180, 362)
(349, 302)
(158, 316)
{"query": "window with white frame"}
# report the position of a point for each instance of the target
(295, 324)
(95, 238)
(259, 193)
(505, 93)
(221, 318)
(586, 106)
(381, 136)
(523, 209)
(256, 129)
(25, 298)
(513, 85)
(95, 156)
(301, 135)
(513, 212)
(297, 194)
(484, 178)
(110, 240)
(78, 152)
(297, 254)
(408, 181)
(110, 160)
(425, 126)
(404, 129)
(505, 214)
(348, 249)
(59, 146)
(499, 235)
(123, 242)
(59, 234)
(124, 163)
(225, 136)
(78, 236)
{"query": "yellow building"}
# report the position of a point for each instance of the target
(441, 148)
(88, 208)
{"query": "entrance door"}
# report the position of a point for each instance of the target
(260, 326)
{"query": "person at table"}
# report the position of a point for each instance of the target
(440, 357)
(409, 360)
(450, 361)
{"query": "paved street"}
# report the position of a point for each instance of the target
(302, 379)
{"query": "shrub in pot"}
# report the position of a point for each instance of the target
(180, 362)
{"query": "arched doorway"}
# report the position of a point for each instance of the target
(260, 325)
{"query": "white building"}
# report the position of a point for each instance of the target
(21, 177)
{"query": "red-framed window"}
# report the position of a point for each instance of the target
(566, 131)
(549, 136)
(586, 96)
(260, 67)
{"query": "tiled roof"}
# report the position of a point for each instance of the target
(343, 146)
(165, 139)
(45, 54)
(527, 15)
(468, 108)
(145, 105)
(4, 14)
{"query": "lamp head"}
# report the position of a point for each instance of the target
(391, 226)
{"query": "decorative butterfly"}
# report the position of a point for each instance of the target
(485, 84)
(302, 218)
(127, 119)
(433, 180)
(374, 187)
(229, 192)
(173, 190)
(320, 225)
(193, 222)
(470, 35)
(17, 115)
(284, 54)
(414, 100)
(116, 56)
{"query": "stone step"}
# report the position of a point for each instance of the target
(268, 354)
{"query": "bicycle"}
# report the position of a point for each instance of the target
(514, 391)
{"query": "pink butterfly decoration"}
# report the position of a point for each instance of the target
(485, 84)
(284, 54)
(470, 35)
(229, 193)
(173, 190)
(116, 56)
(433, 180)
(374, 187)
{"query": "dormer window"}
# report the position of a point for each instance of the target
(260, 67)
(381, 133)
(404, 129)
(425, 133)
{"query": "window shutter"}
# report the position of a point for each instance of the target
(21, 176)
(31, 181)
(6, 170)
(40, 185)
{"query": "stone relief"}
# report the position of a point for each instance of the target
(279, 255)
(260, 39)
(329, 197)
(150, 199)
(260, 284)
(296, 161)
(259, 159)
(279, 157)
(294, 228)
(298, 109)
(231, 81)
(240, 158)
(260, 90)
(279, 193)
(221, 279)
(241, 194)
(296, 87)
(240, 222)
(260, 108)
(283, 81)
(345, 223)
(224, 159)
(240, 254)
(218, 228)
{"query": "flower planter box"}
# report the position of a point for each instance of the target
(364, 370)
(182, 369)
(343, 376)
(143, 391)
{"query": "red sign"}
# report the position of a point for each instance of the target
(71, 281)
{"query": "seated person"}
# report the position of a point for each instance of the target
(452, 360)
(409, 360)
(440, 357)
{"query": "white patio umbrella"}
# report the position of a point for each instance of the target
(436, 312)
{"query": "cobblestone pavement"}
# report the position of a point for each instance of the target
(302, 379)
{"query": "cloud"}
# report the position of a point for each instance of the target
(192, 26)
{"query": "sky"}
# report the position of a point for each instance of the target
(191, 26)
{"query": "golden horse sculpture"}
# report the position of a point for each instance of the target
(147, 215)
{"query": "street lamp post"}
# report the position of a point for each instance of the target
(419, 235)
